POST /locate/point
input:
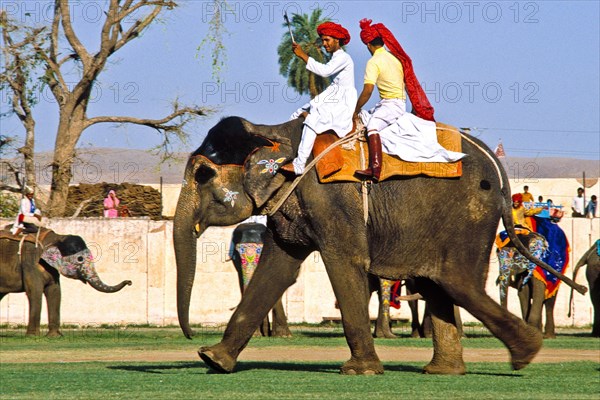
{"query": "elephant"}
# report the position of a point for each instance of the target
(536, 290)
(591, 258)
(246, 247)
(423, 329)
(33, 264)
(438, 231)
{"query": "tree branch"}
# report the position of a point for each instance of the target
(70, 34)
(160, 124)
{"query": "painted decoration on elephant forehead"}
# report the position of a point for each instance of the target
(271, 165)
(230, 196)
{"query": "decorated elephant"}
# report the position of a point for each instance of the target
(438, 231)
(537, 289)
(591, 258)
(33, 264)
(245, 252)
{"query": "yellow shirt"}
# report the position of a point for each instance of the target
(385, 71)
(527, 197)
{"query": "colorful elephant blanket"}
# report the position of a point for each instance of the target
(512, 262)
(341, 162)
(557, 255)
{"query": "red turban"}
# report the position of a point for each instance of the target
(417, 96)
(517, 197)
(335, 31)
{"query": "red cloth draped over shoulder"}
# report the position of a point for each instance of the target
(416, 94)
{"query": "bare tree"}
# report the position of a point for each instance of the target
(17, 77)
(124, 20)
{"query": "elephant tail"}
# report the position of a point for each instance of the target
(507, 217)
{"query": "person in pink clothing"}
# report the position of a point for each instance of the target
(111, 205)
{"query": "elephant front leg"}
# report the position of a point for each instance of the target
(53, 295)
(34, 297)
(276, 272)
(349, 282)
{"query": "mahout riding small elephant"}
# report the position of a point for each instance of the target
(438, 231)
(537, 290)
(591, 258)
(246, 248)
(33, 264)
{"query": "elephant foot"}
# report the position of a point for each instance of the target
(219, 361)
(54, 334)
(281, 331)
(355, 367)
(446, 368)
(32, 333)
(384, 333)
(526, 348)
(415, 334)
(549, 335)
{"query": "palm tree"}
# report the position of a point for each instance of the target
(292, 67)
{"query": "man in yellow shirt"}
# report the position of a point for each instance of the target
(527, 197)
(392, 73)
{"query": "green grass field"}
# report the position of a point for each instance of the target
(274, 380)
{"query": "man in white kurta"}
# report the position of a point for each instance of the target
(332, 109)
(28, 214)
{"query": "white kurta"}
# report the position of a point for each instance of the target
(412, 139)
(333, 108)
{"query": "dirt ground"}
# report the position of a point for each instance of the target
(288, 354)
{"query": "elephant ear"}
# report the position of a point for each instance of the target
(261, 179)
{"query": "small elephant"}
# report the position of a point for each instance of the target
(246, 248)
(591, 258)
(33, 265)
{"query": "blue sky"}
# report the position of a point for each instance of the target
(525, 72)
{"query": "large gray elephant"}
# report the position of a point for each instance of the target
(591, 258)
(439, 231)
(35, 268)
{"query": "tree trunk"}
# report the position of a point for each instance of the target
(70, 128)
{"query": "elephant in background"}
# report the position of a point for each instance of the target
(536, 290)
(591, 258)
(35, 268)
(245, 251)
(225, 184)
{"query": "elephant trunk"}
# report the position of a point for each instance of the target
(184, 242)
(91, 276)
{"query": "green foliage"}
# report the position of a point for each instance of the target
(9, 205)
(213, 41)
(293, 68)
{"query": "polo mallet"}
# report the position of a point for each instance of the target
(287, 21)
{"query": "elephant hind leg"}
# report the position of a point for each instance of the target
(523, 341)
(447, 349)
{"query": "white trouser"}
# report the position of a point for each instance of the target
(304, 150)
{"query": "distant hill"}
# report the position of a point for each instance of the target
(96, 165)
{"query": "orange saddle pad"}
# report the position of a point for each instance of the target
(340, 163)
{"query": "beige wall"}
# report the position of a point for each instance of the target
(141, 250)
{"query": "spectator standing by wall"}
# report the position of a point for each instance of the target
(111, 205)
(577, 205)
